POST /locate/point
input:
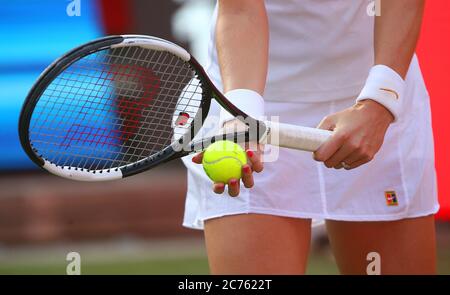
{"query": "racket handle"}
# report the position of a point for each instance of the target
(295, 137)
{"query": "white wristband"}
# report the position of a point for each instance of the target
(386, 87)
(248, 101)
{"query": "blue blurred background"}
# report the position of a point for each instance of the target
(34, 33)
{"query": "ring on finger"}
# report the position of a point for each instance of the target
(345, 165)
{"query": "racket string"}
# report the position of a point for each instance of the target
(80, 122)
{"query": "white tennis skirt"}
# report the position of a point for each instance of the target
(400, 182)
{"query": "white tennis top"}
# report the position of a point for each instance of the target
(309, 58)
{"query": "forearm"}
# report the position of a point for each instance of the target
(242, 44)
(396, 32)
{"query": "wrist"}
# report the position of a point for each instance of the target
(248, 101)
(386, 87)
(378, 110)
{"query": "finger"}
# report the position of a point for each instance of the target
(337, 158)
(233, 187)
(357, 164)
(327, 123)
(197, 158)
(353, 158)
(255, 161)
(339, 166)
(330, 147)
(247, 177)
(357, 159)
(218, 188)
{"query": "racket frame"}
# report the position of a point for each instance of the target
(177, 149)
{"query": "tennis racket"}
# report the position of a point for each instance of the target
(120, 105)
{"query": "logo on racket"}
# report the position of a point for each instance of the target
(135, 88)
(182, 119)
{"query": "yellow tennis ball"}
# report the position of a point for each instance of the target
(223, 160)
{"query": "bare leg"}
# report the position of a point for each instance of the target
(257, 244)
(405, 246)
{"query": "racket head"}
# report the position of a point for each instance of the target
(114, 107)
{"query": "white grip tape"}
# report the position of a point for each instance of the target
(295, 137)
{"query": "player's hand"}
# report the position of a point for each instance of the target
(254, 164)
(358, 135)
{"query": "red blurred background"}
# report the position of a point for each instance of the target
(434, 55)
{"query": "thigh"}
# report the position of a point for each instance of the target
(257, 244)
(405, 246)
